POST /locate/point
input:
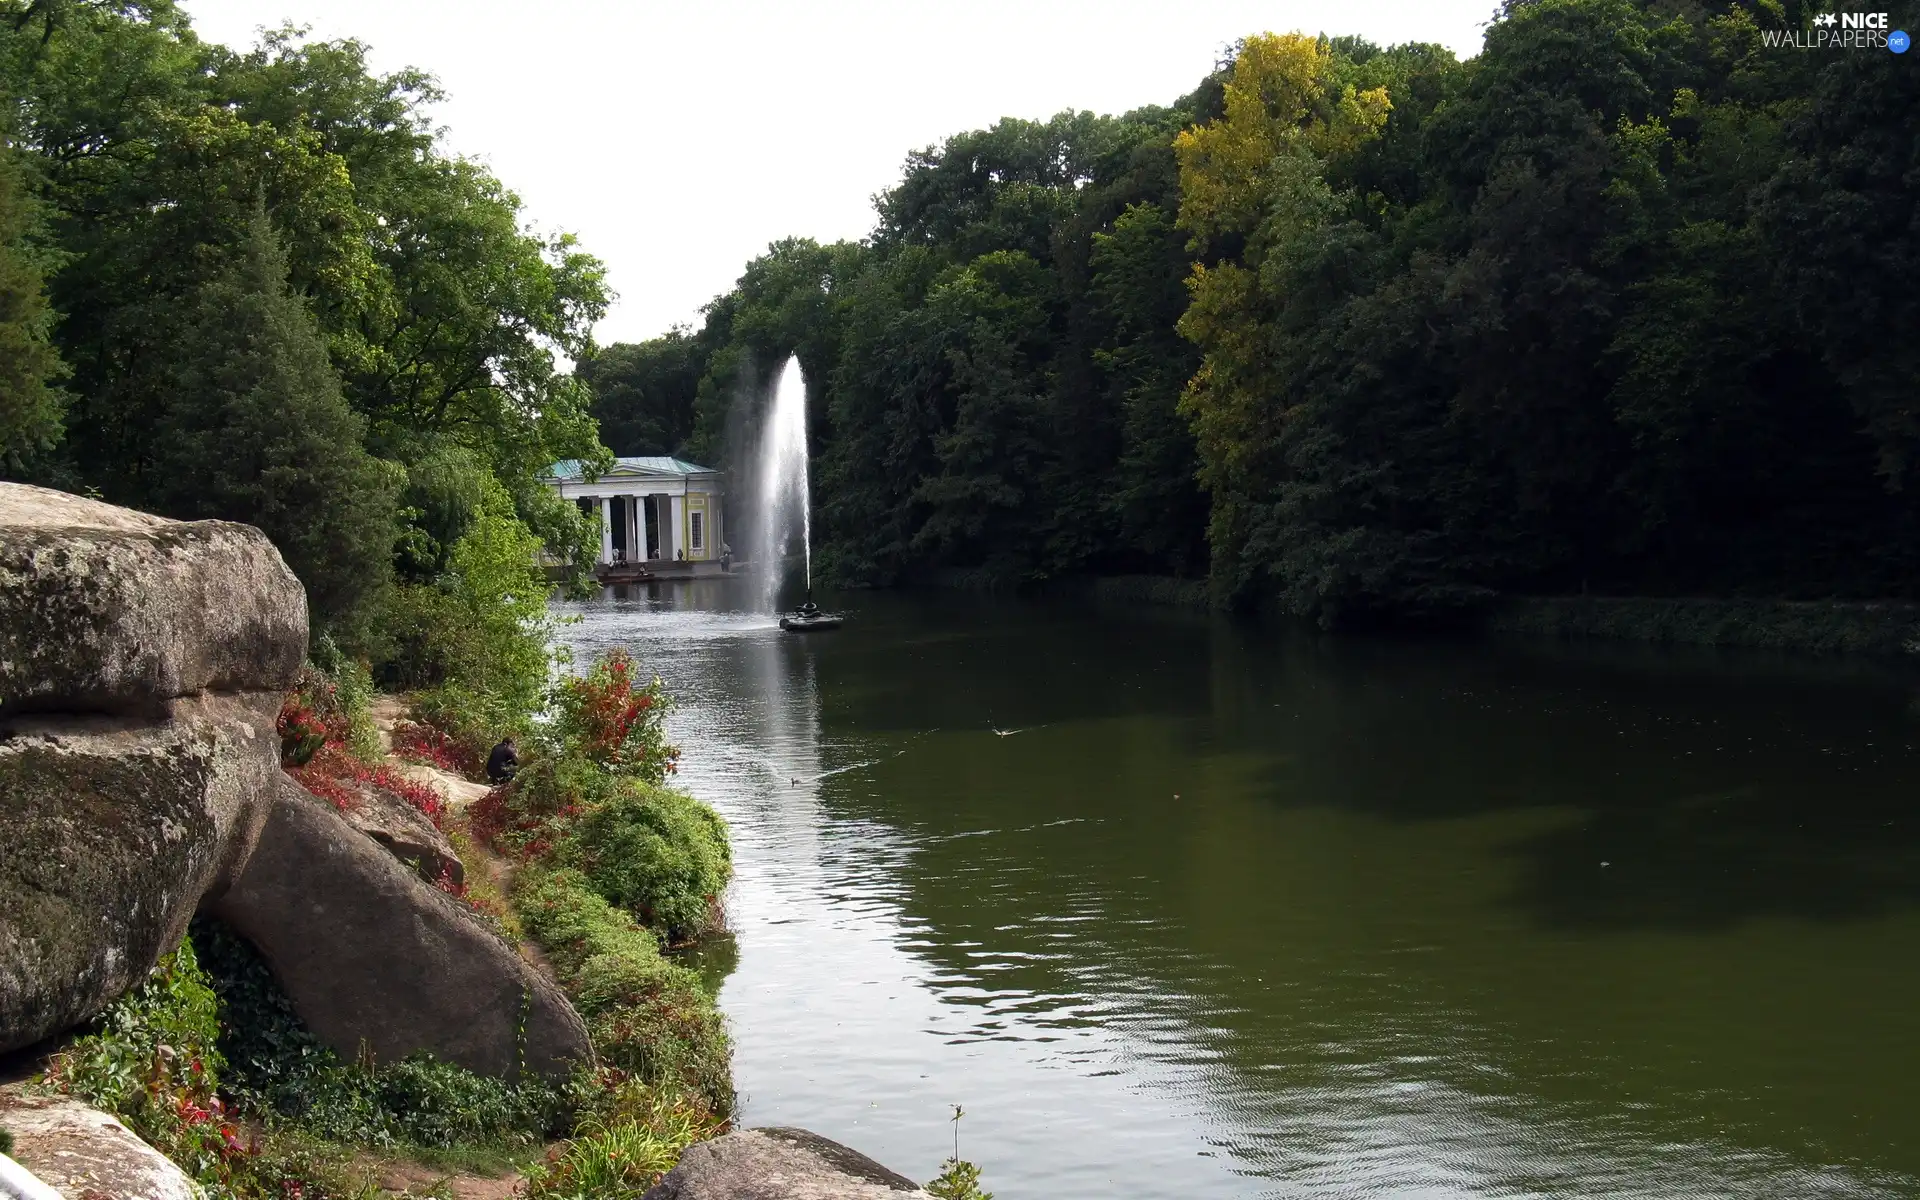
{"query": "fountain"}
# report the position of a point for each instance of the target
(785, 493)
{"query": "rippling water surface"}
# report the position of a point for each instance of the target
(1179, 908)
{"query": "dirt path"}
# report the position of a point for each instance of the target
(399, 1176)
(390, 711)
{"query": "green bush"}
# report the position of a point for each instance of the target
(474, 642)
(958, 1180)
(646, 1015)
(344, 699)
(6, 1141)
(576, 926)
(627, 1135)
(659, 853)
(656, 852)
(164, 1033)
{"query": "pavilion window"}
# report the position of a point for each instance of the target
(696, 534)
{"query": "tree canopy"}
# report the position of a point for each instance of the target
(1374, 333)
(138, 165)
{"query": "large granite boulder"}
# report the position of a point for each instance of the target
(142, 663)
(85, 1154)
(103, 609)
(115, 828)
(373, 956)
(780, 1164)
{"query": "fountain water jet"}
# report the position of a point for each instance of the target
(784, 488)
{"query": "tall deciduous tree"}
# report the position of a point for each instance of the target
(643, 395)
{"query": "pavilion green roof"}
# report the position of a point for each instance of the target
(645, 464)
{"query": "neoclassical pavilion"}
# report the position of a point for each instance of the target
(656, 513)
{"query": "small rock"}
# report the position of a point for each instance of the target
(85, 1154)
(780, 1164)
(406, 833)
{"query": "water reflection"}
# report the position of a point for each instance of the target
(1239, 914)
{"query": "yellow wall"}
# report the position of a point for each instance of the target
(697, 503)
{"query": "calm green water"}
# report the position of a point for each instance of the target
(1249, 912)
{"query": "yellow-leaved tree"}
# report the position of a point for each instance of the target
(1252, 186)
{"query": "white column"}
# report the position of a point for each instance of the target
(676, 512)
(606, 530)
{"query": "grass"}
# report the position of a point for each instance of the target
(629, 1134)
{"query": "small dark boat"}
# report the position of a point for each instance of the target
(807, 618)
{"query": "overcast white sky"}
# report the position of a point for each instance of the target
(679, 139)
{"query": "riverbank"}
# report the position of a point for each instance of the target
(1165, 590)
(1886, 628)
(1821, 626)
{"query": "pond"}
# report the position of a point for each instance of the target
(1181, 907)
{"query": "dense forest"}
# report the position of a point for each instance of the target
(1619, 304)
(253, 285)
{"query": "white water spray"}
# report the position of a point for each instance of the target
(786, 498)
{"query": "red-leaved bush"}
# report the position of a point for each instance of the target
(610, 718)
(302, 731)
(422, 743)
(328, 772)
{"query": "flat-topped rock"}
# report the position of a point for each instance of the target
(780, 1164)
(104, 609)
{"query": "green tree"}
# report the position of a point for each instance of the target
(30, 398)
(446, 318)
(1137, 293)
(643, 394)
(258, 431)
(445, 492)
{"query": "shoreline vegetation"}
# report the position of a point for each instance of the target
(586, 860)
(1879, 628)
(1366, 335)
